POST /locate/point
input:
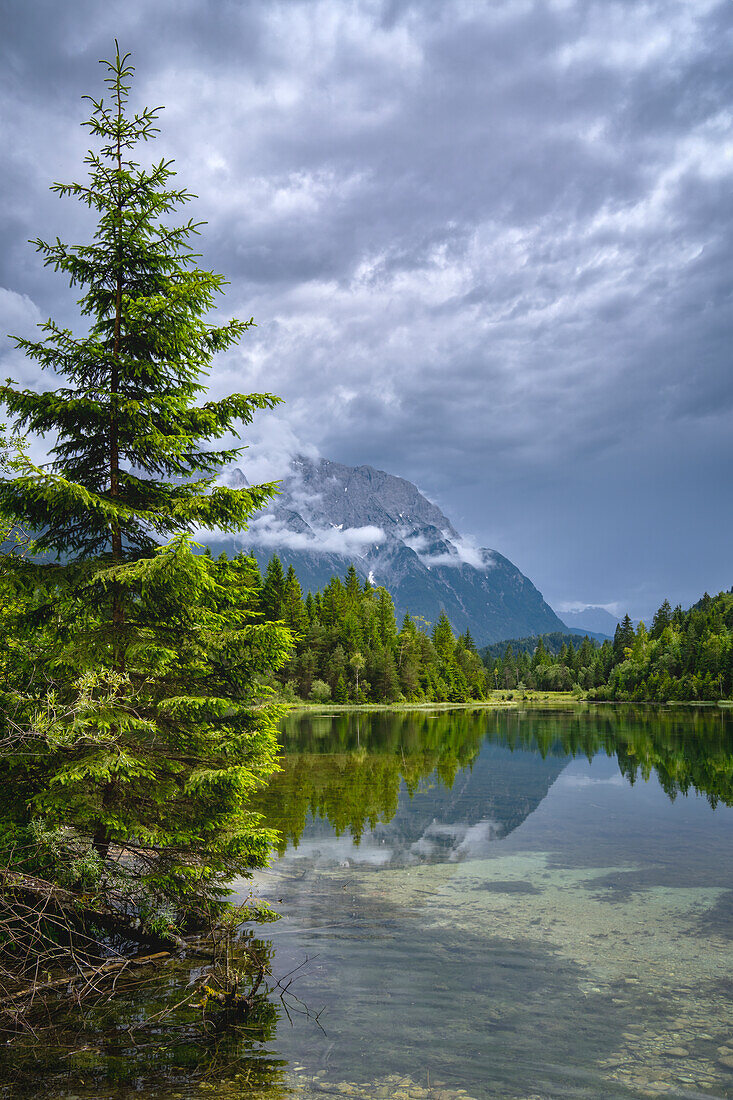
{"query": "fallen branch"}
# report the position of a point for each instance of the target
(87, 975)
(107, 916)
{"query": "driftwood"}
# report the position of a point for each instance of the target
(89, 975)
(229, 998)
(86, 907)
(55, 941)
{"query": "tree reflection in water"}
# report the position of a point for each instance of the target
(348, 769)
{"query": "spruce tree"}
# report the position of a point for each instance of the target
(132, 464)
(293, 608)
(443, 638)
(352, 585)
(273, 590)
(141, 733)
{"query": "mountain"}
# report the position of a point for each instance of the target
(596, 619)
(329, 515)
(553, 643)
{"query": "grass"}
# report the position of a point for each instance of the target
(497, 700)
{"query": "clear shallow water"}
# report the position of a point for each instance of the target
(513, 904)
(530, 924)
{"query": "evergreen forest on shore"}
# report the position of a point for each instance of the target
(135, 723)
(685, 656)
(350, 649)
(142, 679)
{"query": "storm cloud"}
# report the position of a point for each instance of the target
(487, 246)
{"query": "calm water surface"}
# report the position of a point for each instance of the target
(512, 904)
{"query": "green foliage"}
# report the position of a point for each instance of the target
(347, 642)
(543, 644)
(320, 691)
(137, 718)
(686, 657)
(133, 461)
(162, 757)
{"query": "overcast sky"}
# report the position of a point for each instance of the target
(487, 244)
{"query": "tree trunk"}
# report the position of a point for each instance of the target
(118, 609)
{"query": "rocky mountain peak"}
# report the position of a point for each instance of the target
(329, 515)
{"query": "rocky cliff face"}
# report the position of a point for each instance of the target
(330, 515)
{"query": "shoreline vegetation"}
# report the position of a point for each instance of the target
(135, 723)
(143, 681)
(350, 650)
(532, 701)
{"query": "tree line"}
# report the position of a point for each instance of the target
(685, 656)
(348, 646)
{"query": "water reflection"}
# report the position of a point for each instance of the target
(473, 776)
(512, 904)
(508, 903)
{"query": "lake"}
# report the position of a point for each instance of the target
(520, 904)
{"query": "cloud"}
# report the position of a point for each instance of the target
(566, 606)
(268, 531)
(461, 551)
(486, 245)
(19, 316)
(573, 779)
(270, 444)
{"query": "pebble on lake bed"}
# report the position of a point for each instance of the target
(393, 1087)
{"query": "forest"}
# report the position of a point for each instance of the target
(143, 680)
(348, 648)
(685, 656)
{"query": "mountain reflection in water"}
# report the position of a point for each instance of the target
(470, 777)
(509, 903)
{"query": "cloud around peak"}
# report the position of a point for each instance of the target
(486, 245)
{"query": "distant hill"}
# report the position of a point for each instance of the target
(553, 643)
(594, 635)
(595, 619)
(329, 515)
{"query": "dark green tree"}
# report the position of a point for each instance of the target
(443, 638)
(132, 464)
(352, 585)
(293, 609)
(623, 637)
(662, 619)
(141, 732)
(272, 597)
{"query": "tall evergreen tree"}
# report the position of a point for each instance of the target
(352, 585)
(293, 608)
(662, 619)
(443, 638)
(272, 597)
(132, 464)
(140, 734)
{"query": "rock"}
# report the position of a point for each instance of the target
(318, 496)
(726, 1060)
(678, 1052)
